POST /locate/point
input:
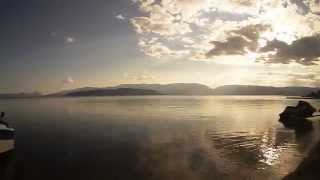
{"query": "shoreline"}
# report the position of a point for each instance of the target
(299, 97)
(308, 168)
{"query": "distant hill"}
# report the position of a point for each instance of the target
(20, 95)
(315, 95)
(154, 89)
(114, 92)
(173, 89)
(63, 93)
(191, 89)
(263, 90)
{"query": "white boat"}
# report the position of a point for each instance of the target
(6, 138)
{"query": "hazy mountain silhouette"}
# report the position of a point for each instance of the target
(65, 92)
(315, 94)
(114, 92)
(173, 89)
(263, 90)
(200, 89)
(20, 95)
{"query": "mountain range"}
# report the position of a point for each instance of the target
(20, 95)
(174, 89)
(114, 92)
(264, 90)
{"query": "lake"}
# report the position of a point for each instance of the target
(154, 138)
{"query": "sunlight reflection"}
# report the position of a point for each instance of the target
(270, 153)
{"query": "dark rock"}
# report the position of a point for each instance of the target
(298, 123)
(288, 113)
(295, 117)
(305, 109)
(302, 110)
(303, 126)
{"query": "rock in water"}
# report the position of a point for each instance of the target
(295, 117)
(305, 109)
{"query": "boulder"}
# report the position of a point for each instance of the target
(295, 117)
(305, 109)
(297, 123)
(288, 112)
(302, 110)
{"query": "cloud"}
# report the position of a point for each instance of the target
(139, 77)
(305, 51)
(70, 39)
(305, 78)
(299, 76)
(120, 17)
(315, 7)
(207, 29)
(162, 26)
(239, 42)
(302, 6)
(68, 80)
(156, 49)
(232, 46)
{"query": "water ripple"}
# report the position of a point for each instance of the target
(247, 149)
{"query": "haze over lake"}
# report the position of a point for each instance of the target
(155, 137)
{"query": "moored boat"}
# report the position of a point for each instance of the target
(6, 138)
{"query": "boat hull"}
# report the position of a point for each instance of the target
(6, 145)
(6, 139)
(6, 134)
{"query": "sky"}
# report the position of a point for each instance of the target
(51, 45)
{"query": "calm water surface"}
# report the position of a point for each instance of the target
(154, 138)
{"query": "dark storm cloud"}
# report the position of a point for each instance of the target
(239, 41)
(305, 51)
(232, 46)
(251, 32)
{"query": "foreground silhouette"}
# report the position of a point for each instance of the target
(309, 168)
